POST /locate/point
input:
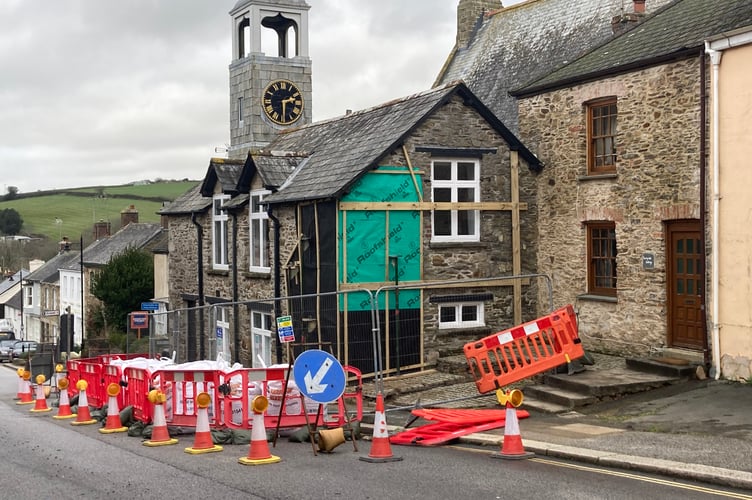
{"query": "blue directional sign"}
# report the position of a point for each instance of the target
(319, 376)
(150, 306)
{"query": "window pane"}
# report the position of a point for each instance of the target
(442, 222)
(465, 194)
(466, 222)
(465, 171)
(442, 171)
(447, 314)
(470, 313)
(442, 195)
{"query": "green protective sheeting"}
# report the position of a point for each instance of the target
(365, 237)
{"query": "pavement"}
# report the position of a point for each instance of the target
(696, 430)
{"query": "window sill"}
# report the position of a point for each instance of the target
(597, 298)
(597, 177)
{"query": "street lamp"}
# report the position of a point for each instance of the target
(23, 301)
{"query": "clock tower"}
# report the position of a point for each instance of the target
(270, 72)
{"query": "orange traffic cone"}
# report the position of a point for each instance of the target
(63, 407)
(25, 396)
(41, 400)
(160, 436)
(83, 415)
(203, 442)
(381, 449)
(512, 447)
(21, 383)
(259, 453)
(112, 422)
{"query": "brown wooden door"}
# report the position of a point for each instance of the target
(684, 264)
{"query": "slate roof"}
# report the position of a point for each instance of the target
(342, 149)
(187, 203)
(521, 43)
(134, 235)
(50, 270)
(7, 283)
(273, 168)
(679, 30)
(224, 172)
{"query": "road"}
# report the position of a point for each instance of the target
(46, 458)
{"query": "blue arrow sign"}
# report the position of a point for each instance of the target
(150, 306)
(319, 376)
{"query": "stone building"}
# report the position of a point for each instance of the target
(623, 200)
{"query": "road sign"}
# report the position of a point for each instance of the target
(284, 329)
(139, 319)
(150, 306)
(319, 376)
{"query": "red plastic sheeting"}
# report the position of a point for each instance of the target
(445, 431)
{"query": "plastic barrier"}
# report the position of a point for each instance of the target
(525, 350)
(72, 369)
(181, 386)
(90, 370)
(137, 393)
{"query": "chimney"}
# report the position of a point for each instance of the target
(64, 244)
(128, 215)
(639, 6)
(470, 17)
(101, 229)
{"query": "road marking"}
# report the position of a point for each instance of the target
(589, 468)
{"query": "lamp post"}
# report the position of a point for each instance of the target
(23, 301)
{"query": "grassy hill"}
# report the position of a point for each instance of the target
(73, 212)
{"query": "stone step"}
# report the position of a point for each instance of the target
(609, 383)
(665, 366)
(563, 398)
(456, 364)
(536, 405)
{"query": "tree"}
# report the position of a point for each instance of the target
(12, 193)
(122, 284)
(10, 221)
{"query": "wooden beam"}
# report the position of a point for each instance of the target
(514, 174)
(427, 205)
(428, 285)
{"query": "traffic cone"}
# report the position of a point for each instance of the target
(160, 436)
(112, 422)
(259, 453)
(381, 450)
(512, 447)
(41, 401)
(203, 442)
(63, 407)
(25, 396)
(21, 383)
(83, 415)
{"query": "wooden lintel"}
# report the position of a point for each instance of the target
(427, 205)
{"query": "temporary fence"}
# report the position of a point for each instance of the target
(231, 392)
(525, 350)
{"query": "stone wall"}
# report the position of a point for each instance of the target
(657, 180)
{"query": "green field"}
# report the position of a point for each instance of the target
(73, 212)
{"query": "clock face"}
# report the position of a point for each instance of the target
(282, 102)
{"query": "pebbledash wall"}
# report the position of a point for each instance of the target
(657, 180)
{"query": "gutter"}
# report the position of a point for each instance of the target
(191, 341)
(277, 274)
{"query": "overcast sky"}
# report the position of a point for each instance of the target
(101, 92)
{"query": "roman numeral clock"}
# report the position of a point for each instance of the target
(282, 102)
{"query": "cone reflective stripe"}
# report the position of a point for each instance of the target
(512, 447)
(25, 396)
(64, 409)
(259, 453)
(83, 415)
(41, 400)
(160, 436)
(381, 449)
(203, 442)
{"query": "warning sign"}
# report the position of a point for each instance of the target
(284, 329)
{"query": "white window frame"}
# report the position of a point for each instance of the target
(220, 231)
(258, 219)
(261, 327)
(454, 184)
(479, 321)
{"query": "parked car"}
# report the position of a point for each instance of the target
(21, 347)
(6, 348)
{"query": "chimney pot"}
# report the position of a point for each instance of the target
(639, 6)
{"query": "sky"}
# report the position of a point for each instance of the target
(105, 92)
